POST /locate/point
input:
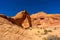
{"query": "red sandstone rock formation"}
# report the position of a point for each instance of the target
(20, 18)
(9, 31)
(41, 19)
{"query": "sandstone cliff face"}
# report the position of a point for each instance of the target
(42, 19)
(45, 27)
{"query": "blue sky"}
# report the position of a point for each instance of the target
(11, 7)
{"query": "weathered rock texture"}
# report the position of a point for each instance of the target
(45, 27)
(20, 17)
(42, 19)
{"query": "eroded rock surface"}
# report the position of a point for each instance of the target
(14, 32)
(42, 19)
(45, 27)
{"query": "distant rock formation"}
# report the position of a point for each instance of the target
(20, 17)
(41, 19)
